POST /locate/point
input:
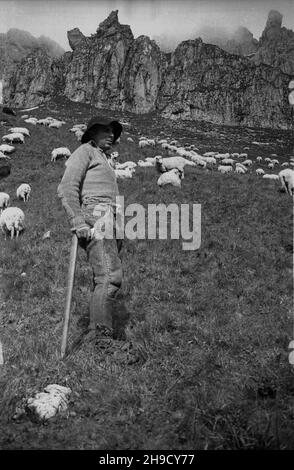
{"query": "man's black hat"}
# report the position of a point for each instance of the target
(95, 121)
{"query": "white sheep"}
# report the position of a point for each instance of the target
(271, 177)
(239, 165)
(16, 137)
(12, 220)
(228, 161)
(5, 148)
(240, 170)
(129, 139)
(143, 143)
(83, 127)
(129, 164)
(222, 155)
(31, 120)
(235, 155)
(59, 153)
(124, 173)
(4, 201)
(79, 134)
(285, 164)
(143, 164)
(258, 159)
(23, 192)
(286, 178)
(169, 163)
(225, 168)
(247, 162)
(151, 142)
(209, 154)
(55, 124)
(275, 161)
(172, 177)
(46, 121)
(21, 130)
(243, 155)
(267, 160)
(150, 160)
(259, 171)
(210, 160)
(271, 166)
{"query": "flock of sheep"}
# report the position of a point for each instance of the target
(170, 167)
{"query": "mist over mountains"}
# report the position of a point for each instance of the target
(16, 44)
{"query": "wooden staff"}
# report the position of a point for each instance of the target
(70, 283)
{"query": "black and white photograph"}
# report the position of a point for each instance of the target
(146, 229)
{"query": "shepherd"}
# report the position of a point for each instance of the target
(88, 192)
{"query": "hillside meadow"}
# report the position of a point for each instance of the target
(211, 327)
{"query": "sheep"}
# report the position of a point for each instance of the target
(224, 169)
(122, 166)
(142, 164)
(31, 120)
(162, 141)
(143, 143)
(23, 192)
(271, 177)
(5, 148)
(243, 155)
(151, 142)
(46, 121)
(83, 127)
(275, 161)
(150, 160)
(228, 161)
(235, 155)
(239, 165)
(286, 178)
(124, 173)
(55, 124)
(4, 201)
(59, 153)
(12, 220)
(129, 139)
(259, 171)
(210, 160)
(267, 160)
(79, 134)
(21, 130)
(172, 177)
(247, 162)
(209, 154)
(258, 159)
(222, 155)
(166, 164)
(240, 170)
(14, 138)
(285, 164)
(271, 166)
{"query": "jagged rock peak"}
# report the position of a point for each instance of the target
(274, 19)
(111, 26)
(242, 34)
(76, 38)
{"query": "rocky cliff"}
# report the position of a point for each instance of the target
(17, 44)
(111, 69)
(276, 45)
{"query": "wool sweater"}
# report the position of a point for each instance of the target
(87, 180)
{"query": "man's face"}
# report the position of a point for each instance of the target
(104, 137)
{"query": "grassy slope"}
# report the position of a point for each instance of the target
(212, 325)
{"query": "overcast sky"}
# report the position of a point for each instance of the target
(178, 18)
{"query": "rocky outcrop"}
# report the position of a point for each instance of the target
(16, 44)
(76, 38)
(276, 45)
(94, 75)
(204, 82)
(110, 69)
(31, 82)
(142, 76)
